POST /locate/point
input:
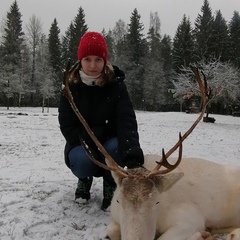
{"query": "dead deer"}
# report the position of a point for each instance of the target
(178, 202)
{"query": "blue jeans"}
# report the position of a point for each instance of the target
(82, 166)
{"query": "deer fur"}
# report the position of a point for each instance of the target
(234, 235)
(180, 205)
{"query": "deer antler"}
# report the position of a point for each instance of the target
(163, 162)
(70, 74)
(169, 167)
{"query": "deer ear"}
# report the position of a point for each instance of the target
(167, 181)
(118, 178)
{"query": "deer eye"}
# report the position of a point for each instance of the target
(117, 201)
(157, 203)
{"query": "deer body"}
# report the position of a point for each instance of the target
(175, 206)
(175, 203)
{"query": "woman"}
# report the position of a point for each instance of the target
(102, 98)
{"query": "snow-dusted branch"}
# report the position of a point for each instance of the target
(223, 79)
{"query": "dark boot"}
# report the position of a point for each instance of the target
(83, 188)
(108, 190)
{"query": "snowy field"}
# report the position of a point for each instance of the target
(37, 189)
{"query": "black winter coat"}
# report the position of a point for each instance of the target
(109, 113)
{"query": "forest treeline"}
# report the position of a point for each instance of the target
(157, 67)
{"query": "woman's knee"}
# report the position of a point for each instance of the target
(80, 164)
(112, 148)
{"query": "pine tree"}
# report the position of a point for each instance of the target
(66, 40)
(13, 35)
(183, 45)
(54, 47)
(135, 37)
(110, 44)
(167, 69)
(204, 32)
(234, 29)
(55, 58)
(220, 38)
(136, 50)
(2, 80)
(11, 51)
(75, 31)
(166, 45)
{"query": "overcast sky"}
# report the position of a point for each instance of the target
(101, 14)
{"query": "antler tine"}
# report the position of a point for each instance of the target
(204, 92)
(106, 167)
(164, 161)
(65, 87)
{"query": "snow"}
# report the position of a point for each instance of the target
(37, 189)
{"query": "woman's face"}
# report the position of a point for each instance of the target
(92, 65)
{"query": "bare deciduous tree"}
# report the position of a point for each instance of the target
(223, 79)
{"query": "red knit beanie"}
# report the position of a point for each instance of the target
(92, 43)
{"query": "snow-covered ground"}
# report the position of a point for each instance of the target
(37, 189)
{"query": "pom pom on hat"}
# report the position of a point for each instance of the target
(92, 43)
